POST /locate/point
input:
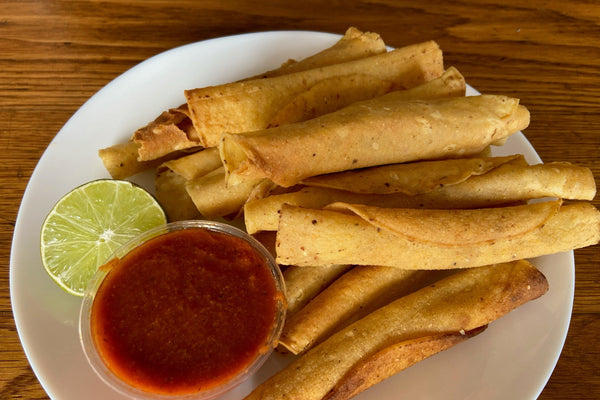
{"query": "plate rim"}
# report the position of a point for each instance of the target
(18, 228)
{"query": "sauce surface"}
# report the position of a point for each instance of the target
(184, 312)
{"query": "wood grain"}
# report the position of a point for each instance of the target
(55, 54)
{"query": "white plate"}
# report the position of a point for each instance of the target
(513, 359)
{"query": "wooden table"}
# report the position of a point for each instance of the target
(55, 54)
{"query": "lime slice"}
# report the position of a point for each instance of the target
(89, 223)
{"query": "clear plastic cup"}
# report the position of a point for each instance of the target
(114, 381)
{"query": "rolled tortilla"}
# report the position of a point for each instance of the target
(173, 197)
(121, 160)
(451, 83)
(195, 165)
(369, 133)
(195, 185)
(321, 99)
(354, 45)
(432, 239)
(376, 186)
(329, 95)
(445, 184)
(169, 132)
(173, 128)
(351, 297)
(393, 359)
(497, 179)
(251, 105)
(461, 302)
(411, 178)
(213, 198)
(263, 214)
(302, 284)
(169, 136)
(513, 182)
(172, 177)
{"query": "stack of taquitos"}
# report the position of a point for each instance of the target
(354, 68)
(385, 130)
(357, 67)
(432, 239)
(408, 239)
(475, 182)
(213, 197)
(173, 130)
(404, 332)
(416, 243)
(471, 183)
(409, 194)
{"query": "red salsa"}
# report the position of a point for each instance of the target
(184, 312)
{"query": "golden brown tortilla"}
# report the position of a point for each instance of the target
(214, 199)
(330, 95)
(464, 301)
(498, 179)
(302, 284)
(169, 132)
(252, 104)
(195, 165)
(513, 182)
(410, 178)
(173, 128)
(263, 214)
(393, 359)
(432, 239)
(172, 177)
(353, 295)
(173, 197)
(321, 99)
(370, 133)
(445, 184)
(121, 160)
(354, 45)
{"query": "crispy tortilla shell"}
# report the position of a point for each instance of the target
(213, 198)
(121, 160)
(172, 177)
(252, 104)
(445, 184)
(196, 164)
(464, 301)
(432, 239)
(171, 131)
(393, 359)
(371, 133)
(353, 295)
(409, 178)
(321, 99)
(173, 197)
(455, 226)
(302, 284)
(354, 45)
